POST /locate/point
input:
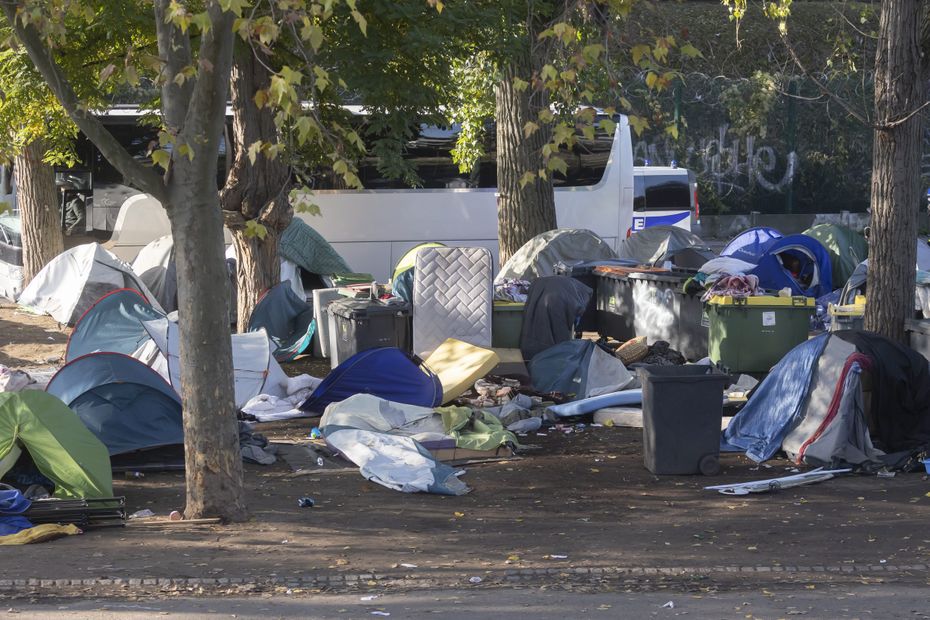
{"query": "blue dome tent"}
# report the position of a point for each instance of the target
(113, 323)
(385, 372)
(750, 245)
(806, 257)
(126, 404)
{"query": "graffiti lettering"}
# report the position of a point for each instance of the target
(732, 163)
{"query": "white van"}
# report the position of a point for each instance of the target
(664, 196)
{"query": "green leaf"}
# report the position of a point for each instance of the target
(261, 98)
(625, 103)
(592, 52)
(255, 229)
(638, 123)
(672, 130)
(608, 126)
(557, 164)
(529, 129)
(314, 35)
(254, 149)
(361, 21)
(520, 85)
(235, 6)
(526, 179)
(651, 80)
(186, 151)
(161, 157)
(639, 52)
(690, 51)
(549, 72)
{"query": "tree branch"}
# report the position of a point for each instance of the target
(207, 109)
(143, 177)
(174, 48)
(856, 114)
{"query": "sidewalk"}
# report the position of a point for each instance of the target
(580, 508)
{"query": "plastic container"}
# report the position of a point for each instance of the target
(848, 316)
(926, 463)
(682, 411)
(663, 311)
(506, 324)
(918, 334)
(752, 334)
(322, 297)
(361, 324)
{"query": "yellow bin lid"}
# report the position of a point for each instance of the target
(762, 300)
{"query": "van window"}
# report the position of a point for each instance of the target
(661, 193)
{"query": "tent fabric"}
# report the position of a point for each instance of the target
(61, 447)
(475, 429)
(811, 404)
(12, 506)
(751, 244)
(833, 429)
(404, 271)
(72, 281)
(539, 256)
(386, 372)
(113, 323)
(458, 365)
(155, 266)
(578, 369)
(813, 259)
(776, 405)
(123, 402)
(371, 413)
(553, 306)
(398, 463)
(657, 244)
(255, 370)
(304, 246)
(286, 318)
(847, 248)
(900, 407)
(40, 533)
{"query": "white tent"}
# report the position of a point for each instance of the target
(255, 370)
(75, 279)
(155, 267)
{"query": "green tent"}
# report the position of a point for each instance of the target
(60, 445)
(847, 249)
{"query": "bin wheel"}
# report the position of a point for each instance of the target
(709, 465)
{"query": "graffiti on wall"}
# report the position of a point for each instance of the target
(732, 162)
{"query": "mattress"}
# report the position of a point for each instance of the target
(451, 298)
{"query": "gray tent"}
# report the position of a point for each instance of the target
(538, 256)
(155, 267)
(657, 244)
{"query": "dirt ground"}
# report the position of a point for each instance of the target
(570, 499)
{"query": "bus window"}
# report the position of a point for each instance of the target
(666, 193)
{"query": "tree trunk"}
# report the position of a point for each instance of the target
(256, 191)
(211, 439)
(900, 90)
(38, 207)
(523, 212)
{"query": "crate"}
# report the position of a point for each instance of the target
(750, 335)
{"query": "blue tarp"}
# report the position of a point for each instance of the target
(761, 425)
(750, 245)
(385, 372)
(126, 404)
(816, 272)
(12, 506)
(113, 323)
(287, 318)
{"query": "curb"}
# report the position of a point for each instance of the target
(353, 581)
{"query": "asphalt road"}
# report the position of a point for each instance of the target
(884, 601)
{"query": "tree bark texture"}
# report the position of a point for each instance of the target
(256, 191)
(900, 89)
(523, 212)
(38, 205)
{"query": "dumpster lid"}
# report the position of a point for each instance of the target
(921, 326)
(361, 308)
(611, 270)
(762, 300)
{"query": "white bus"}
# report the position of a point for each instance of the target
(372, 228)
